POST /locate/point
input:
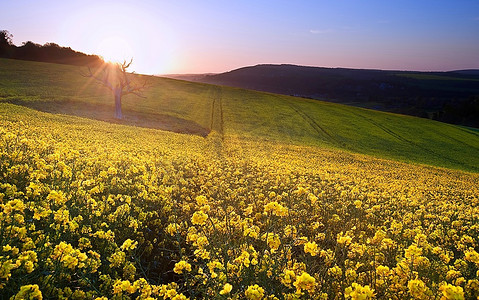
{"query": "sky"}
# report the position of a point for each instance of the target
(212, 36)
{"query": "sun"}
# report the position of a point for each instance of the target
(115, 49)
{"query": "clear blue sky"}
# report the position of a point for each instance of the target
(186, 36)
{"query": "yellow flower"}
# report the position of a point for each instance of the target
(226, 289)
(6, 267)
(70, 257)
(201, 241)
(254, 292)
(290, 231)
(451, 274)
(199, 218)
(13, 205)
(305, 282)
(418, 289)
(129, 245)
(243, 259)
(123, 286)
(382, 270)
(413, 251)
(472, 256)
(248, 210)
(57, 197)
(359, 292)
(201, 200)
(272, 239)
(358, 203)
(7, 248)
(171, 293)
(172, 229)
(336, 272)
(251, 231)
(117, 258)
(312, 198)
(288, 277)
(182, 266)
(344, 239)
(276, 209)
(30, 292)
(311, 248)
(451, 292)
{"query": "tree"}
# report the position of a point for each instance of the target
(6, 38)
(6, 44)
(115, 77)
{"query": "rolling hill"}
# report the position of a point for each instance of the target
(444, 96)
(199, 108)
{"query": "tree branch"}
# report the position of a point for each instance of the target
(120, 78)
(103, 79)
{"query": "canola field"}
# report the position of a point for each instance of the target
(92, 210)
(249, 114)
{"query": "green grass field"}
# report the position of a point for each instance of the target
(240, 114)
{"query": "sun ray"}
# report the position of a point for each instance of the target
(115, 49)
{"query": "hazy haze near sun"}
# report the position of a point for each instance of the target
(216, 36)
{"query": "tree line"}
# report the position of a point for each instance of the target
(49, 52)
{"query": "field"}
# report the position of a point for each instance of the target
(198, 109)
(268, 196)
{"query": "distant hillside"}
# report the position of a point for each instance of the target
(451, 97)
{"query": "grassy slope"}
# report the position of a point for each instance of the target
(248, 115)
(365, 131)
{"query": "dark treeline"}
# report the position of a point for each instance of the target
(49, 52)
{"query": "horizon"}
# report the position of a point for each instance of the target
(321, 67)
(215, 37)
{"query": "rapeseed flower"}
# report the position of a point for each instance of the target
(199, 218)
(418, 289)
(226, 289)
(254, 292)
(30, 292)
(182, 266)
(311, 248)
(359, 292)
(451, 292)
(305, 282)
(129, 245)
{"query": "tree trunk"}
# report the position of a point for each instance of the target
(118, 114)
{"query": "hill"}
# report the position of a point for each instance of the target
(199, 108)
(267, 204)
(444, 96)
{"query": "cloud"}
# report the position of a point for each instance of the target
(320, 31)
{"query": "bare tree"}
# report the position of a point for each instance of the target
(116, 78)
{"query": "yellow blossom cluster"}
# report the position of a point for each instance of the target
(90, 211)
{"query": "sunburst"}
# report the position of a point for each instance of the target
(115, 49)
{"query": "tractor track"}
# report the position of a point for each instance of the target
(216, 122)
(399, 137)
(315, 125)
